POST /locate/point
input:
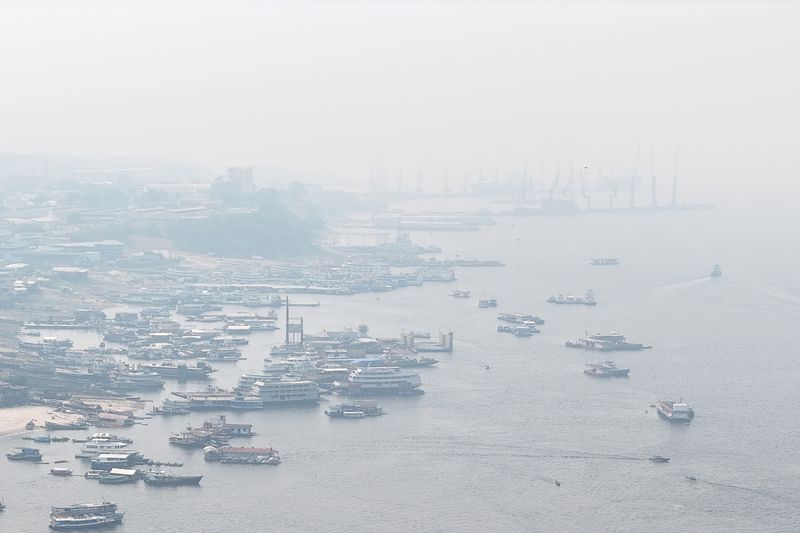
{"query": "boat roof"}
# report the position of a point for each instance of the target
(231, 449)
(122, 471)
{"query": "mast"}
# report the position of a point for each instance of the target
(287, 320)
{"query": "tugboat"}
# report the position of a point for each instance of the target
(716, 272)
(675, 411)
(606, 369)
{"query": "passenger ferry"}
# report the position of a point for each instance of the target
(85, 515)
(383, 380)
(606, 369)
(280, 392)
(181, 370)
(606, 342)
(675, 411)
(107, 461)
(355, 410)
(95, 447)
(520, 318)
(587, 299)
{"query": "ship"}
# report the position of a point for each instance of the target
(246, 401)
(675, 411)
(117, 476)
(716, 272)
(160, 478)
(95, 447)
(250, 456)
(519, 318)
(85, 516)
(604, 261)
(107, 461)
(383, 380)
(286, 392)
(355, 410)
(52, 426)
(411, 362)
(606, 342)
(25, 454)
(587, 299)
(606, 369)
(191, 438)
(175, 407)
(181, 371)
(519, 331)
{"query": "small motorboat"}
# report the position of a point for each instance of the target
(61, 471)
(716, 272)
(658, 459)
(30, 425)
(691, 478)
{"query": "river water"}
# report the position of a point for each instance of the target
(481, 450)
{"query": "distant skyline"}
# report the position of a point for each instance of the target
(337, 91)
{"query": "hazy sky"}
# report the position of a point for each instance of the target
(338, 88)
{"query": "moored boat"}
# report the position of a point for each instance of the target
(53, 426)
(85, 516)
(25, 454)
(161, 478)
(61, 471)
(355, 410)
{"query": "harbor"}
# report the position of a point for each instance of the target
(153, 378)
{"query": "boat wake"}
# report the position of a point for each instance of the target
(738, 488)
(683, 284)
(777, 294)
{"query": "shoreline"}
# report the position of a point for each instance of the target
(13, 419)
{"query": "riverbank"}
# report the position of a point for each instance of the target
(13, 419)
